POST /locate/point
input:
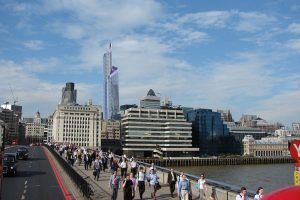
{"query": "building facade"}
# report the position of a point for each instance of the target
(111, 87)
(146, 132)
(79, 125)
(111, 135)
(35, 128)
(253, 121)
(266, 147)
(11, 119)
(150, 101)
(69, 94)
(210, 133)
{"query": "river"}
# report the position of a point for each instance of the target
(269, 176)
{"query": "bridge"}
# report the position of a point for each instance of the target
(77, 183)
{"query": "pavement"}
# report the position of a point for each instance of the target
(102, 190)
(35, 179)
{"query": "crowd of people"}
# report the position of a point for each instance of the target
(137, 179)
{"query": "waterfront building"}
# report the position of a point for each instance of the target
(161, 132)
(111, 87)
(267, 147)
(296, 126)
(150, 101)
(69, 94)
(287, 132)
(226, 115)
(35, 128)
(210, 134)
(110, 135)
(256, 122)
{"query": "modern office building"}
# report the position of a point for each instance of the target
(256, 122)
(267, 147)
(163, 132)
(150, 101)
(11, 119)
(35, 128)
(69, 94)
(17, 109)
(226, 115)
(210, 134)
(110, 135)
(111, 87)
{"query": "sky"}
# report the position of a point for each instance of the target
(237, 55)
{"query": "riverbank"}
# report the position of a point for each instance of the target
(213, 161)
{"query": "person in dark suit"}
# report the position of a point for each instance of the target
(172, 179)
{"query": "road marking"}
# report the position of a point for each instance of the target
(25, 182)
(23, 197)
(24, 192)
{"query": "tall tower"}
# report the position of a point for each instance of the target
(111, 87)
(69, 94)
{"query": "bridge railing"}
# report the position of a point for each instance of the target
(80, 182)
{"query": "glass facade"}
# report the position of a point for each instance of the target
(210, 133)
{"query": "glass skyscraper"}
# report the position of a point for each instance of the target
(111, 87)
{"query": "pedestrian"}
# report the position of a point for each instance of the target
(141, 176)
(242, 195)
(258, 195)
(179, 178)
(134, 182)
(97, 167)
(201, 187)
(123, 166)
(184, 188)
(114, 184)
(86, 161)
(153, 182)
(133, 167)
(128, 188)
(172, 179)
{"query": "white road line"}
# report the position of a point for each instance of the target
(24, 192)
(23, 197)
(25, 182)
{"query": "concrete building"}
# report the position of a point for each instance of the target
(50, 129)
(17, 109)
(150, 132)
(12, 121)
(150, 101)
(111, 87)
(226, 115)
(79, 125)
(35, 128)
(2, 131)
(111, 135)
(287, 132)
(266, 147)
(296, 126)
(210, 133)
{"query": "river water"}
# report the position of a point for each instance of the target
(269, 176)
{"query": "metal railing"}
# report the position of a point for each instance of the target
(80, 182)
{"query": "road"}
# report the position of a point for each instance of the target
(35, 179)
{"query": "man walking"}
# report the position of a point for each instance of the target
(184, 188)
(114, 184)
(172, 181)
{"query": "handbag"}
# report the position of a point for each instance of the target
(94, 172)
(157, 186)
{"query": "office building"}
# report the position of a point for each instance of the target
(256, 122)
(266, 147)
(225, 115)
(150, 101)
(69, 94)
(156, 132)
(17, 109)
(110, 135)
(35, 128)
(210, 134)
(12, 123)
(111, 87)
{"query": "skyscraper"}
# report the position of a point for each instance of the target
(69, 94)
(111, 87)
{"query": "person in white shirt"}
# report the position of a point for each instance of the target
(123, 166)
(242, 195)
(133, 167)
(259, 192)
(201, 187)
(141, 176)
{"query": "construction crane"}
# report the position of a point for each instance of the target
(13, 96)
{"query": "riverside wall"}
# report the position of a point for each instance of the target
(195, 161)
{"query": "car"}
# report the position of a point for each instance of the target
(22, 153)
(10, 164)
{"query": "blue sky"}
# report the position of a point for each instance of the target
(237, 55)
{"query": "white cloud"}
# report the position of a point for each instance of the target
(294, 44)
(294, 28)
(33, 44)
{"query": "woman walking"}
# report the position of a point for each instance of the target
(153, 182)
(201, 187)
(259, 192)
(128, 188)
(141, 181)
